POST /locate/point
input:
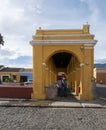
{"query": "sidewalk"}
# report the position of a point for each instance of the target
(58, 103)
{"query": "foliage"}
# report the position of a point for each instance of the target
(9, 79)
(1, 39)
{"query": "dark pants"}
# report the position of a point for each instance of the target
(59, 91)
(63, 92)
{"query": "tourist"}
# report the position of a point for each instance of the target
(63, 87)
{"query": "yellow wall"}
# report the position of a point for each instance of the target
(78, 43)
(10, 74)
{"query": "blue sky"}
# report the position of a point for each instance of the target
(20, 19)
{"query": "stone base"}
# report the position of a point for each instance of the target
(82, 97)
(51, 92)
(38, 96)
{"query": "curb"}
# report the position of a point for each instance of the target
(49, 106)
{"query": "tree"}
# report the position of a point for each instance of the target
(1, 40)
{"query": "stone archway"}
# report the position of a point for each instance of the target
(77, 45)
(63, 61)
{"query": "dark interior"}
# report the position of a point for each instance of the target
(23, 78)
(62, 59)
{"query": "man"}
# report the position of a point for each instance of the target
(63, 87)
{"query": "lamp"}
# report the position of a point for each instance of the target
(44, 64)
(82, 64)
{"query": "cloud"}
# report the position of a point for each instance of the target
(14, 58)
(19, 20)
(97, 19)
(100, 61)
(7, 53)
(96, 9)
(21, 61)
(17, 24)
(10, 13)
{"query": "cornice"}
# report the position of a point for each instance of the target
(64, 42)
(63, 35)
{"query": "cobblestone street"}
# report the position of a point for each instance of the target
(32, 118)
(89, 115)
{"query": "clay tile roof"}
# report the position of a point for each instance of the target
(27, 70)
(7, 69)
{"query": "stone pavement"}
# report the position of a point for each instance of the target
(59, 114)
(34, 118)
(60, 102)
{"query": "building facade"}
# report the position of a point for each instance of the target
(100, 75)
(68, 51)
(9, 74)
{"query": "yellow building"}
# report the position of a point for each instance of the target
(9, 74)
(69, 51)
(15, 74)
(100, 75)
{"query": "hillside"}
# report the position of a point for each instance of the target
(99, 65)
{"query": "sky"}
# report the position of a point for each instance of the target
(19, 20)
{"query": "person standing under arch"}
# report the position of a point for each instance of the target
(63, 87)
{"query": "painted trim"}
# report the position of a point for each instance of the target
(56, 35)
(64, 42)
(88, 47)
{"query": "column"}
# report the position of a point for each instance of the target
(38, 73)
(86, 74)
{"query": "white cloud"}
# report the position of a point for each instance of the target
(17, 24)
(10, 13)
(100, 61)
(21, 61)
(9, 54)
(93, 9)
(98, 23)
(19, 20)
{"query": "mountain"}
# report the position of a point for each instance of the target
(100, 65)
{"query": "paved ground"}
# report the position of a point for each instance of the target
(32, 118)
(101, 90)
(60, 102)
(61, 114)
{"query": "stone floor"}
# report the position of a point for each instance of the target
(59, 114)
(33, 118)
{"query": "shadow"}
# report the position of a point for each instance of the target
(101, 90)
(101, 93)
(70, 98)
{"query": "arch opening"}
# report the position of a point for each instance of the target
(63, 63)
(61, 59)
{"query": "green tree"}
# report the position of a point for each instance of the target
(1, 40)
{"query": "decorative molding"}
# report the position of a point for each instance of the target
(64, 42)
(62, 35)
(86, 46)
